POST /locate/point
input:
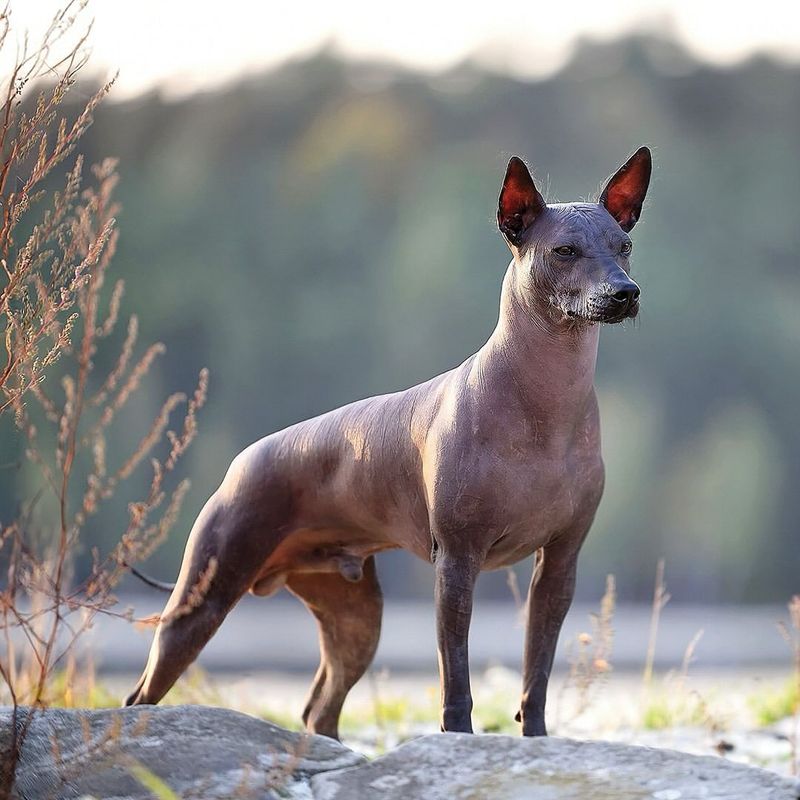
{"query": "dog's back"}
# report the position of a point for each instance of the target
(356, 469)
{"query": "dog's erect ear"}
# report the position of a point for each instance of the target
(520, 202)
(626, 188)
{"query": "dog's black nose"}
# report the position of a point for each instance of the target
(627, 294)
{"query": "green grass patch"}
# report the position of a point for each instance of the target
(496, 715)
(679, 709)
(771, 706)
(63, 691)
(280, 718)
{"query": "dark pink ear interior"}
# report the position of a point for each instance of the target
(520, 201)
(626, 189)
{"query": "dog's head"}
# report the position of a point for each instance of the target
(574, 258)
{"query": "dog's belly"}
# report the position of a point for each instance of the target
(317, 551)
(507, 553)
(331, 542)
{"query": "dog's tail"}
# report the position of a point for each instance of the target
(156, 584)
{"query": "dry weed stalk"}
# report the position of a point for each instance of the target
(37, 600)
(660, 599)
(589, 655)
(791, 633)
(45, 257)
(53, 308)
(513, 587)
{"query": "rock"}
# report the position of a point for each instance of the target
(196, 751)
(201, 753)
(463, 767)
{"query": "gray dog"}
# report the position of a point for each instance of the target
(473, 470)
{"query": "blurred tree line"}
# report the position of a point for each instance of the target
(326, 231)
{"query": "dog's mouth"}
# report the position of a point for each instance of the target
(598, 311)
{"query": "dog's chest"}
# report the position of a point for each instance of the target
(522, 500)
(527, 526)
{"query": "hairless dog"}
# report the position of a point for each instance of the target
(473, 470)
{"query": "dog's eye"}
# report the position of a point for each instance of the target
(565, 250)
(626, 248)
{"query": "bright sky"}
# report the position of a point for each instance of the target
(188, 44)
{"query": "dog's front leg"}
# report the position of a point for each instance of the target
(549, 598)
(455, 581)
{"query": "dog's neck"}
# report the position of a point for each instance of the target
(549, 362)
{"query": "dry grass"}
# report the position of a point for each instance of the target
(660, 599)
(791, 633)
(54, 308)
(589, 657)
(43, 269)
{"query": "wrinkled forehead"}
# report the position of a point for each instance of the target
(580, 224)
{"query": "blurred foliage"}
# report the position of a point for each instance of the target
(326, 231)
(68, 690)
(770, 706)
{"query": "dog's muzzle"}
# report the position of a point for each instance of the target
(618, 303)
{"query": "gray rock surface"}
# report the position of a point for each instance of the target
(198, 752)
(203, 753)
(463, 767)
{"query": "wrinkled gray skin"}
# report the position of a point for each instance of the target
(472, 470)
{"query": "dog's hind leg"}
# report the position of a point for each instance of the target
(349, 619)
(217, 570)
